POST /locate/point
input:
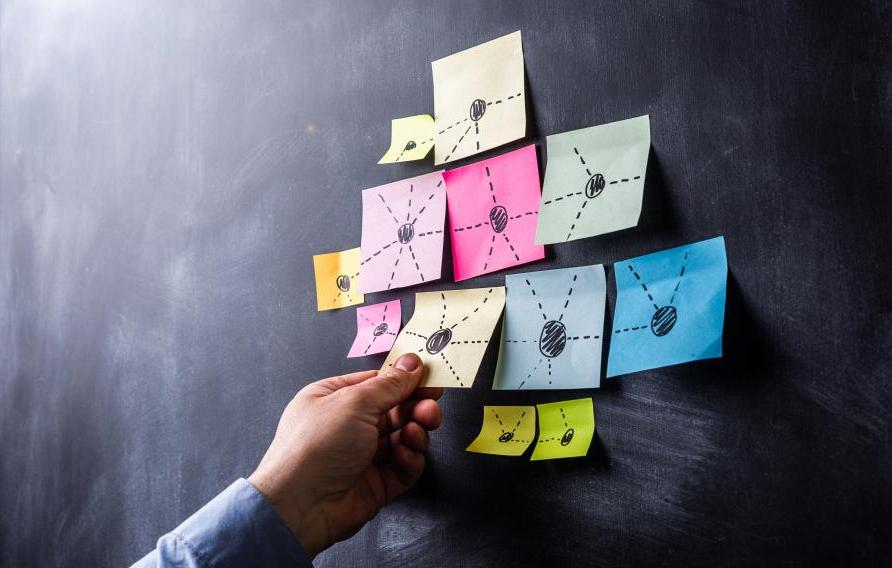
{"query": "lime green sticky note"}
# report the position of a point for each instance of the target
(565, 429)
(506, 431)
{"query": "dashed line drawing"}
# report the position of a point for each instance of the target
(506, 430)
(402, 233)
(345, 287)
(411, 138)
(337, 279)
(493, 205)
(553, 329)
(479, 98)
(665, 316)
(377, 326)
(451, 330)
(566, 429)
(595, 180)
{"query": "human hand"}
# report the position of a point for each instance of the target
(345, 447)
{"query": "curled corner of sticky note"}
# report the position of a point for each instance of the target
(411, 138)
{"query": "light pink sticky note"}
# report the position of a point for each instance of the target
(493, 206)
(402, 233)
(376, 328)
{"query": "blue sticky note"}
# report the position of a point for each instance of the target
(670, 307)
(552, 334)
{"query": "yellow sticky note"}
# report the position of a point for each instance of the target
(411, 138)
(506, 431)
(449, 331)
(479, 99)
(565, 429)
(337, 279)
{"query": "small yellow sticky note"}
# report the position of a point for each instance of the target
(411, 138)
(506, 431)
(565, 429)
(337, 279)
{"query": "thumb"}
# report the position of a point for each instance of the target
(393, 385)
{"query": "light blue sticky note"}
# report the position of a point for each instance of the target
(670, 307)
(551, 337)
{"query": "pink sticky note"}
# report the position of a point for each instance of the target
(376, 328)
(493, 206)
(402, 233)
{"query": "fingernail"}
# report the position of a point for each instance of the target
(407, 363)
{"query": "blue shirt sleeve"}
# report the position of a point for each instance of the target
(237, 528)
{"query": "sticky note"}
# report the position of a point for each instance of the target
(493, 206)
(450, 331)
(566, 429)
(376, 328)
(670, 307)
(337, 279)
(552, 334)
(594, 180)
(506, 431)
(411, 138)
(402, 233)
(479, 100)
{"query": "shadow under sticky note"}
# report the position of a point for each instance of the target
(402, 233)
(479, 100)
(411, 138)
(594, 182)
(337, 279)
(492, 213)
(551, 338)
(670, 307)
(506, 430)
(376, 328)
(449, 331)
(566, 429)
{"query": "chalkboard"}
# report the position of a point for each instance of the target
(169, 168)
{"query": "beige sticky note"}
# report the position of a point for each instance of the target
(566, 429)
(479, 99)
(450, 331)
(411, 138)
(337, 279)
(506, 431)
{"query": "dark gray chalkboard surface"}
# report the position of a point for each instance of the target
(169, 168)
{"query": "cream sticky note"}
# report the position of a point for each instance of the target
(450, 331)
(411, 138)
(506, 430)
(594, 180)
(479, 99)
(566, 429)
(337, 279)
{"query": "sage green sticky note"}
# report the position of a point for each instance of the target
(566, 429)
(594, 180)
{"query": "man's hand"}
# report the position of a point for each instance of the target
(345, 447)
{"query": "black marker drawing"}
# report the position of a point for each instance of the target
(508, 435)
(552, 338)
(382, 327)
(497, 220)
(344, 284)
(564, 439)
(476, 114)
(595, 184)
(411, 145)
(664, 317)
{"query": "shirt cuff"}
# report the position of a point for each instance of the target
(237, 528)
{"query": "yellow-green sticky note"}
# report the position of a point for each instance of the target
(506, 431)
(411, 138)
(565, 429)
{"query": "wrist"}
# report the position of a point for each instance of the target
(296, 511)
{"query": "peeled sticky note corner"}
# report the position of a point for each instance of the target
(376, 328)
(337, 279)
(566, 429)
(411, 138)
(552, 335)
(479, 100)
(506, 430)
(670, 307)
(450, 331)
(594, 182)
(402, 233)
(493, 206)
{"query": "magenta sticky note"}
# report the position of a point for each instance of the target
(493, 206)
(402, 233)
(376, 328)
